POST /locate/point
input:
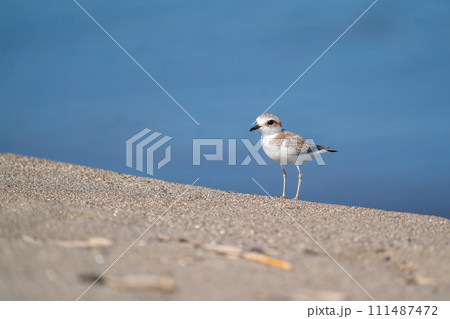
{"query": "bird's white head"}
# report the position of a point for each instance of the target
(267, 124)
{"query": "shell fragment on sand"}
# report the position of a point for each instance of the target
(92, 242)
(152, 282)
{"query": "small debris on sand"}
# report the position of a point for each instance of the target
(163, 283)
(133, 281)
(92, 242)
(234, 251)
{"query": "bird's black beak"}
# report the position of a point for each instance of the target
(257, 126)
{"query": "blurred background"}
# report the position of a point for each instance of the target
(380, 96)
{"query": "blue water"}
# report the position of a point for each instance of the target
(380, 95)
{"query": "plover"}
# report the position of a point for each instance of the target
(286, 147)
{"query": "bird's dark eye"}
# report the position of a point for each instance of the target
(271, 122)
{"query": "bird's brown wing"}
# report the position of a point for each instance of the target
(296, 143)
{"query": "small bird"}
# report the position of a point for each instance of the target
(286, 147)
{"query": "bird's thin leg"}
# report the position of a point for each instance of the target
(299, 180)
(284, 181)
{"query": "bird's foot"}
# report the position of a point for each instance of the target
(296, 197)
(283, 196)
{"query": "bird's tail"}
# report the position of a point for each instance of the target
(325, 149)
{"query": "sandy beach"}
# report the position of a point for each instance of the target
(63, 225)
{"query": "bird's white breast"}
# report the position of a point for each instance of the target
(271, 149)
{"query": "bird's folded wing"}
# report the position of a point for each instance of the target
(297, 144)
